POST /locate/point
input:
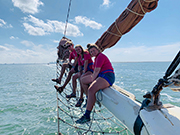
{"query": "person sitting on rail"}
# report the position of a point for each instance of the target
(63, 51)
(73, 66)
(86, 65)
(102, 77)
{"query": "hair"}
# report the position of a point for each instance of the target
(66, 38)
(90, 46)
(69, 42)
(82, 53)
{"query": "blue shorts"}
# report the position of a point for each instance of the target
(88, 67)
(75, 68)
(109, 77)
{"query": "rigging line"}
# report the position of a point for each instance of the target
(110, 118)
(57, 97)
(88, 130)
(173, 65)
(67, 18)
(71, 112)
(105, 132)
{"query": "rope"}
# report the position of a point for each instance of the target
(102, 122)
(149, 0)
(175, 79)
(67, 18)
(120, 34)
(141, 9)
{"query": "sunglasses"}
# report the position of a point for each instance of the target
(66, 45)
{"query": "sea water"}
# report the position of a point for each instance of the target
(28, 98)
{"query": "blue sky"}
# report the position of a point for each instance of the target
(31, 29)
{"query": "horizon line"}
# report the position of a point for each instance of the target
(111, 62)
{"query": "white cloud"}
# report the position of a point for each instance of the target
(72, 30)
(4, 24)
(37, 54)
(27, 43)
(12, 37)
(3, 48)
(34, 30)
(106, 3)
(40, 23)
(143, 53)
(28, 6)
(56, 41)
(37, 27)
(87, 22)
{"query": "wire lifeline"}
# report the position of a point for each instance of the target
(67, 18)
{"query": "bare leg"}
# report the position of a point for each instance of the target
(99, 83)
(64, 66)
(85, 88)
(74, 81)
(85, 81)
(81, 99)
(71, 72)
(82, 91)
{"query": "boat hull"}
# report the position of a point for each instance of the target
(120, 105)
(165, 121)
(125, 108)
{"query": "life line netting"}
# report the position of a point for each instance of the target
(102, 121)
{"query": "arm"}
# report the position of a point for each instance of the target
(75, 62)
(85, 66)
(70, 61)
(79, 68)
(95, 73)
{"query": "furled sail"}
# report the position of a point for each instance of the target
(125, 22)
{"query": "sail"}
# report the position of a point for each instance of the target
(131, 16)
